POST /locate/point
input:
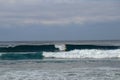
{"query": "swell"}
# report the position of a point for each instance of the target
(52, 48)
(101, 47)
(28, 48)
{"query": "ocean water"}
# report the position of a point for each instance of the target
(62, 60)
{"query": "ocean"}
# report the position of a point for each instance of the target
(60, 60)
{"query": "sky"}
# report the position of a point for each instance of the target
(47, 20)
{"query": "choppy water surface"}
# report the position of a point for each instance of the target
(60, 69)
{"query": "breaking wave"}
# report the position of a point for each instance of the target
(77, 53)
(84, 53)
(58, 51)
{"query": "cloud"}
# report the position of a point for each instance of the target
(57, 12)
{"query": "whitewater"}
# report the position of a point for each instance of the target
(84, 53)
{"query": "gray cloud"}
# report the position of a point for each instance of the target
(57, 12)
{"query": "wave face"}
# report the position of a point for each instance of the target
(85, 53)
(28, 48)
(104, 47)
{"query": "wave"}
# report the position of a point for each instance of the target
(28, 48)
(102, 47)
(52, 48)
(85, 53)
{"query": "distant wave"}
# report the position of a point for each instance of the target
(84, 53)
(28, 48)
(104, 47)
(52, 48)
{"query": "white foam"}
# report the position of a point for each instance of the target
(93, 53)
(61, 47)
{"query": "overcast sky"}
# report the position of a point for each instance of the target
(59, 20)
